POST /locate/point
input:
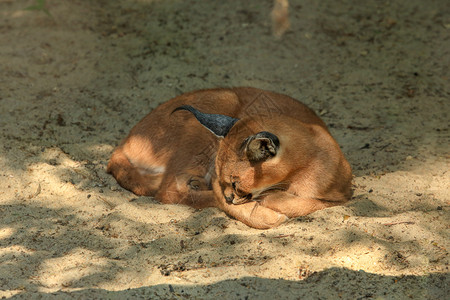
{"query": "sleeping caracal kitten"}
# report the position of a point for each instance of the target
(260, 156)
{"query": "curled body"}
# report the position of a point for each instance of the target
(261, 157)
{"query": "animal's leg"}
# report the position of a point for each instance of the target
(294, 206)
(130, 178)
(200, 199)
(186, 189)
(254, 215)
(195, 199)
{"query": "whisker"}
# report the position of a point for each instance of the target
(254, 208)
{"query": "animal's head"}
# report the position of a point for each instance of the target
(249, 160)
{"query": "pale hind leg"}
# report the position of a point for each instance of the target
(132, 178)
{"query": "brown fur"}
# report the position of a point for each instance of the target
(175, 159)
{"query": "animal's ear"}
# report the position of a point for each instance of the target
(217, 124)
(261, 146)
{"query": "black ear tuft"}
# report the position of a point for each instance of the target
(217, 124)
(261, 146)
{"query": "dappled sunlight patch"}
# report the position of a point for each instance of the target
(417, 169)
(357, 256)
(14, 251)
(368, 261)
(59, 171)
(152, 213)
(17, 14)
(145, 276)
(6, 232)
(72, 267)
(391, 245)
(414, 189)
(152, 225)
(83, 184)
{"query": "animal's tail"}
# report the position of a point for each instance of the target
(129, 177)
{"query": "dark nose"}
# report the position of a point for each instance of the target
(229, 198)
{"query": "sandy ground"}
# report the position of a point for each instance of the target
(72, 86)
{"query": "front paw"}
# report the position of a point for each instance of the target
(265, 218)
(276, 222)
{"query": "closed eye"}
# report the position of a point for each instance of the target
(236, 189)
